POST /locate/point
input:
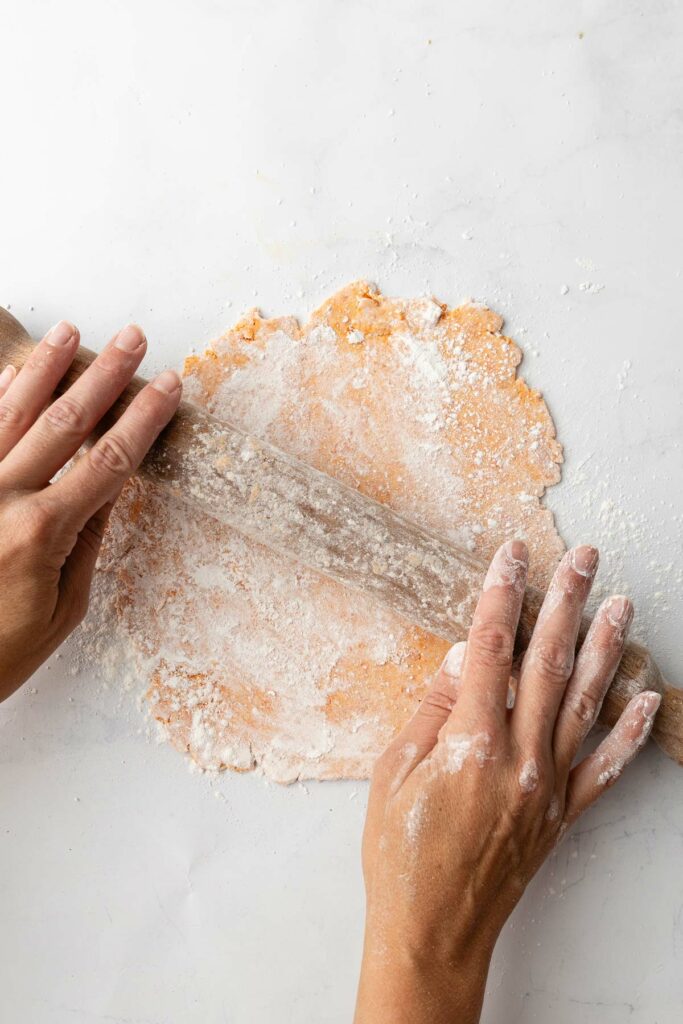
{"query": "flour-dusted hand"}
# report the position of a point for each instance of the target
(50, 533)
(471, 798)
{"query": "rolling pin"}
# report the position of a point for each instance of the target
(311, 518)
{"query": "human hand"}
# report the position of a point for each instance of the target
(469, 800)
(50, 534)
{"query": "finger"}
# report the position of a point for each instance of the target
(102, 472)
(60, 431)
(77, 572)
(596, 664)
(6, 378)
(32, 389)
(601, 769)
(490, 643)
(549, 660)
(423, 728)
(419, 736)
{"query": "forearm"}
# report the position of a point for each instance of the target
(406, 989)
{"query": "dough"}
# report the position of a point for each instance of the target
(254, 661)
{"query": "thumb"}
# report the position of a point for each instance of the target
(78, 569)
(419, 736)
(436, 706)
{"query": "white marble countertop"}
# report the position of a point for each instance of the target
(177, 162)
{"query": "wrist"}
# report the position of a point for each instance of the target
(411, 986)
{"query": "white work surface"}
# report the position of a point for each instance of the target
(178, 162)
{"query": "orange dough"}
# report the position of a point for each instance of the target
(254, 661)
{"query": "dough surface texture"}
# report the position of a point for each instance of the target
(256, 662)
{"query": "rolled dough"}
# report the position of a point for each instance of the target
(255, 662)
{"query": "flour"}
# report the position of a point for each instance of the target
(408, 753)
(624, 375)
(424, 361)
(253, 662)
(528, 776)
(414, 819)
(458, 747)
(617, 752)
(407, 759)
(424, 313)
(629, 541)
(611, 773)
(506, 570)
(553, 812)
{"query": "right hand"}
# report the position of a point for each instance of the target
(50, 533)
(471, 798)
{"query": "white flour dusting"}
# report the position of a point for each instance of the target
(629, 540)
(528, 776)
(506, 570)
(414, 819)
(613, 759)
(459, 746)
(253, 662)
(553, 812)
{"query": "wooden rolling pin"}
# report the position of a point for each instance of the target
(311, 518)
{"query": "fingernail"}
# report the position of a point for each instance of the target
(508, 566)
(130, 338)
(584, 560)
(7, 376)
(619, 610)
(168, 382)
(61, 334)
(649, 701)
(453, 662)
(518, 550)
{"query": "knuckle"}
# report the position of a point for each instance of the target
(67, 415)
(492, 643)
(585, 707)
(11, 416)
(554, 659)
(554, 810)
(602, 643)
(108, 362)
(112, 455)
(534, 781)
(437, 701)
(37, 521)
(40, 360)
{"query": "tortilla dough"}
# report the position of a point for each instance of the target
(254, 661)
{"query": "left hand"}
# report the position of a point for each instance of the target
(50, 533)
